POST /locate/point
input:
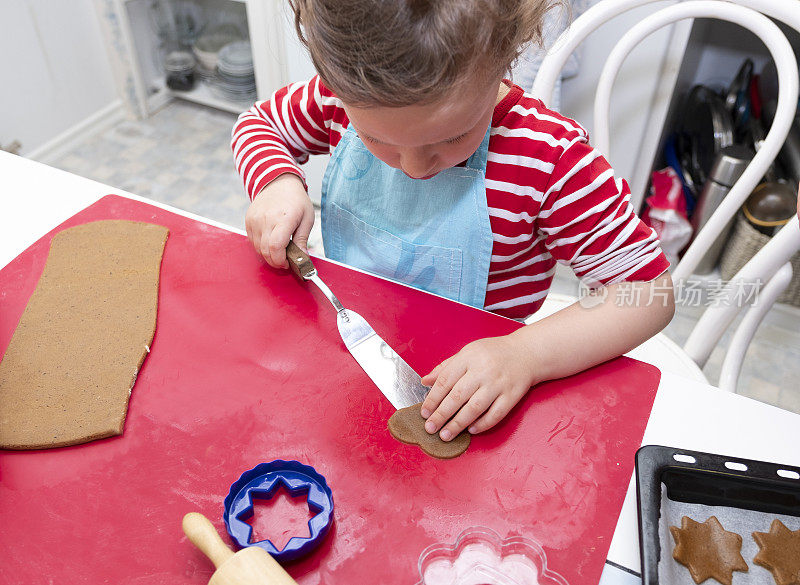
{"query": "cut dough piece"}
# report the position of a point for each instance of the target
(708, 550)
(779, 553)
(68, 371)
(408, 426)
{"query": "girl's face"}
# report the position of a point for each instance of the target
(422, 140)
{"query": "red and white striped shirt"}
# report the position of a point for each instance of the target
(551, 196)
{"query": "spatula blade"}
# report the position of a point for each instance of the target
(397, 381)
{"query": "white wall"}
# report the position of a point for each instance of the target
(54, 73)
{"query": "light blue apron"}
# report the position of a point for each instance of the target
(432, 234)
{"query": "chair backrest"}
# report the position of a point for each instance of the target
(749, 14)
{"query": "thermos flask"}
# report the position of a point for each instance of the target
(728, 166)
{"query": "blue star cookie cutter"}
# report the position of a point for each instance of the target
(262, 481)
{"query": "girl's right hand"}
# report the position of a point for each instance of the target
(280, 212)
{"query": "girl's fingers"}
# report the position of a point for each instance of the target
(480, 401)
(433, 398)
(458, 393)
(300, 236)
(249, 231)
(278, 240)
(429, 378)
(255, 230)
(496, 412)
(263, 246)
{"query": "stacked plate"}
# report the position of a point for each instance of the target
(236, 79)
(208, 45)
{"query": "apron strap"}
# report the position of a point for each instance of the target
(478, 159)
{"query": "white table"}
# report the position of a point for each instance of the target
(35, 198)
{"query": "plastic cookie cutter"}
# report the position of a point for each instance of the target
(262, 481)
(480, 556)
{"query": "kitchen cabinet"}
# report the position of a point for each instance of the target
(145, 30)
(137, 46)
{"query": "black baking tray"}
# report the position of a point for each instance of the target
(756, 485)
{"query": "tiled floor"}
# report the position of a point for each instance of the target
(181, 156)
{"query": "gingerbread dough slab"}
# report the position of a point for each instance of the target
(68, 371)
(408, 426)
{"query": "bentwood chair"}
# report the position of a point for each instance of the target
(771, 265)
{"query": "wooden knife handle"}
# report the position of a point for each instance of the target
(299, 261)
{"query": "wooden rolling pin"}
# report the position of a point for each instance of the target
(249, 566)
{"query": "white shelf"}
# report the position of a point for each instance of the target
(202, 94)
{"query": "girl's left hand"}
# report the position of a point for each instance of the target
(479, 385)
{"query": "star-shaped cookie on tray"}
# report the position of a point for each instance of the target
(708, 550)
(779, 553)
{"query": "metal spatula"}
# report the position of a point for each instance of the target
(390, 373)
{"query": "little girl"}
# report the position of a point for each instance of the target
(445, 176)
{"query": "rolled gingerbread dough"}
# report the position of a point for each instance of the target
(408, 426)
(68, 371)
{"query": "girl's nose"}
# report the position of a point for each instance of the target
(417, 163)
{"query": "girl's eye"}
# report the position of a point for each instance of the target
(457, 139)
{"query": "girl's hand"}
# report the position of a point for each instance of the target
(281, 211)
(479, 385)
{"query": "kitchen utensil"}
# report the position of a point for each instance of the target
(737, 100)
(235, 77)
(739, 85)
(729, 165)
(692, 477)
(755, 96)
(262, 481)
(211, 41)
(249, 566)
(754, 133)
(770, 206)
(401, 385)
(708, 128)
(671, 158)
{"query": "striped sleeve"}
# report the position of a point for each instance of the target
(588, 222)
(276, 135)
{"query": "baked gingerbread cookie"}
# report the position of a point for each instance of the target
(407, 426)
(708, 550)
(779, 553)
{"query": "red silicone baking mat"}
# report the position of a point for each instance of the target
(247, 366)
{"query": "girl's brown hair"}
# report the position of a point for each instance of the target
(404, 52)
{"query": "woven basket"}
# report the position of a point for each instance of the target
(744, 242)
